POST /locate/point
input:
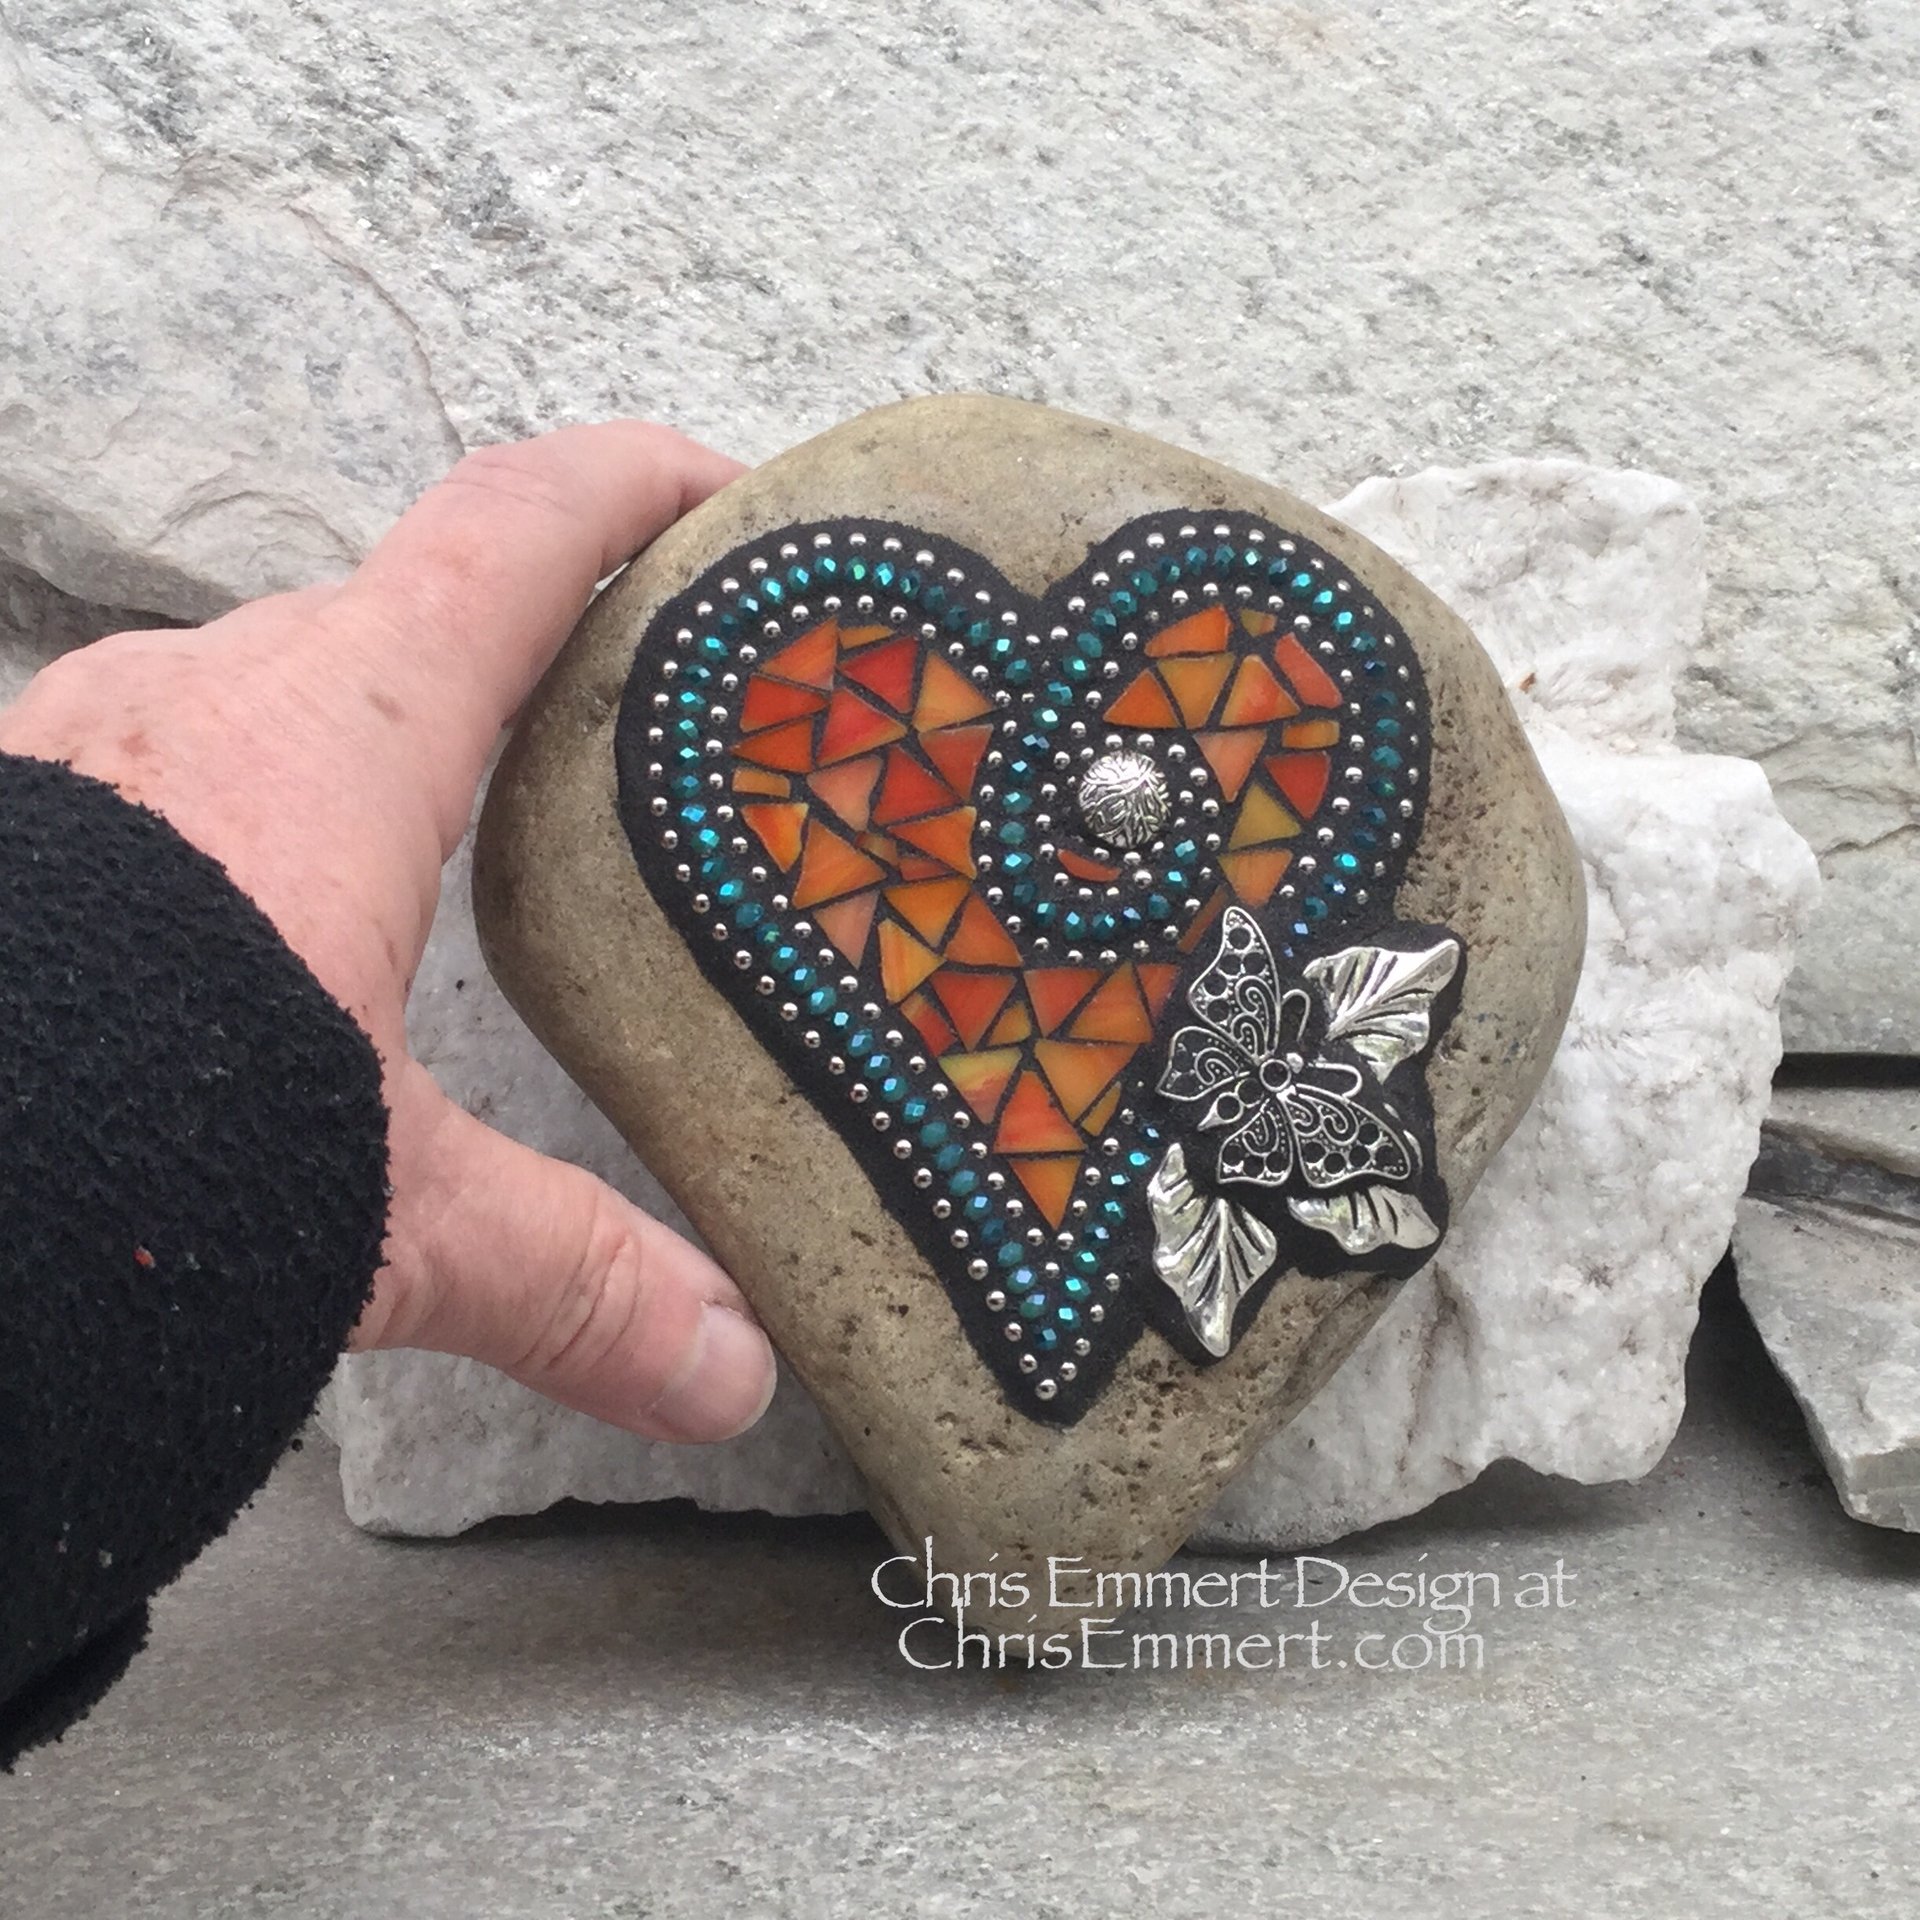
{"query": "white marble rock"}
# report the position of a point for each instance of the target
(1553, 1327)
(1827, 1244)
(269, 271)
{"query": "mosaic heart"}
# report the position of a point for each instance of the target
(1075, 915)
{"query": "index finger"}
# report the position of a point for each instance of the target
(479, 582)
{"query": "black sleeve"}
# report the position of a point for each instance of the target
(193, 1161)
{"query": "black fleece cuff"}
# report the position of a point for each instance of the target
(192, 1200)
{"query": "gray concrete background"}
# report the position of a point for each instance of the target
(616, 1713)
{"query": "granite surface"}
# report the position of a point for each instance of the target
(1828, 1249)
(265, 281)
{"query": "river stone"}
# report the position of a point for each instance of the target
(591, 961)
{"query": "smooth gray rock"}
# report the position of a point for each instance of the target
(1828, 1249)
(268, 273)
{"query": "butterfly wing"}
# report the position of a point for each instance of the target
(1238, 992)
(1340, 1140)
(1260, 1150)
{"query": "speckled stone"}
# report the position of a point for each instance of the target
(582, 949)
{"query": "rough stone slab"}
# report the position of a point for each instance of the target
(1828, 1250)
(266, 274)
(1554, 1327)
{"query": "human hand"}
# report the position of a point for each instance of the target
(325, 747)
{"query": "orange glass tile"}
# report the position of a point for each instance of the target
(957, 753)
(980, 940)
(847, 923)
(1015, 1024)
(1253, 875)
(981, 1078)
(1095, 1119)
(1156, 982)
(1049, 1184)
(972, 1000)
(1304, 673)
(1262, 820)
(1056, 991)
(1258, 621)
(1143, 704)
(1256, 697)
(928, 906)
(884, 850)
(788, 748)
(831, 866)
(778, 823)
(852, 637)
(848, 789)
(1231, 756)
(932, 1025)
(810, 659)
(904, 962)
(854, 725)
(1204, 632)
(1299, 735)
(769, 702)
(1302, 780)
(1116, 1012)
(759, 780)
(1031, 1121)
(1080, 1071)
(1197, 928)
(1195, 684)
(1082, 868)
(914, 865)
(947, 836)
(947, 697)
(909, 790)
(887, 671)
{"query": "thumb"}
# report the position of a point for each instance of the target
(539, 1269)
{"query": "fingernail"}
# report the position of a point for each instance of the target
(729, 1385)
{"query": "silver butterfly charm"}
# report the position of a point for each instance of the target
(1313, 1127)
